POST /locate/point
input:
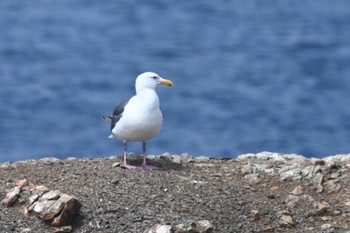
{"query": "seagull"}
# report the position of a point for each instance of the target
(139, 118)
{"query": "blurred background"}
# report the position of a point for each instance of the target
(249, 76)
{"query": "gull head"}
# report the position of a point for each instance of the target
(150, 80)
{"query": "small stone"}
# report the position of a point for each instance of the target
(255, 215)
(50, 160)
(176, 159)
(185, 209)
(62, 229)
(11, 197)
(71, 159)
(47, 209)
(22, 183)
(116, 164)
(71, 207)
(203, 226)
(186, 158)
(51, 195)
(307, 171)
(322, 208)
(253, 178)
(318, 179)
(326, 226)
(298, 190)
(115, 181)
(217, 174)
(268, 229)
(33, 198)
(317, 169)
(292, 200)
(158, 228)
(332, 186)
(25, 230)
(40, 190)
(201, 159)
(246, 169)
(24, 211)
(293, 173)
(334, 175)
(166, 157)
(204, 165)
(319, 188)
(336, 212)
(287, 219)
(319, 162)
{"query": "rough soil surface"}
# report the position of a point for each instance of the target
(265, 192)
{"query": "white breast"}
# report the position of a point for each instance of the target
(141, 119)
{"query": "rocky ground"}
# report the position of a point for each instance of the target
(265, 192)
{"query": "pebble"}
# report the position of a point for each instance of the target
(332, 186)
(11, 197)
(253, 178)
(293, 173)
(50, 160)
(186, 158)
(322, 208)
(286, 219)
(158, 228)
(25, 230)
(62, 229)
(116, 164)
(201, 159)
(47, 209)
(203, 226)
(255, 215)
(268, 229)
(292, 200)
(326, 226)
(51, 195)
(22, 183)
(298, 190)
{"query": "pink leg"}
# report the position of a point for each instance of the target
(125, 164)
(144, 165)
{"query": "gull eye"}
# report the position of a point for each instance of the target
(154, 77)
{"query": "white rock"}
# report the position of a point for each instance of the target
(158, 228)
(201, 159)
(50, 160)
(51, 195)
(11, 197)
(176, 159)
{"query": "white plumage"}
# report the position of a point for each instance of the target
(140, 118)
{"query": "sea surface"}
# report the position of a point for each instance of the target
(249, 76)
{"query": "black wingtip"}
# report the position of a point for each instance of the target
(107, 117)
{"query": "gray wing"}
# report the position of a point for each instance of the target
(117, 114)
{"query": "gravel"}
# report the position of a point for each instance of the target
(264, 192)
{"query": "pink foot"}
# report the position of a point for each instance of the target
(148, 167)
(127, 166)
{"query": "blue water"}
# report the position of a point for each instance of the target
(249, 76)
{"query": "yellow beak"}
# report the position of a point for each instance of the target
(166, 82)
